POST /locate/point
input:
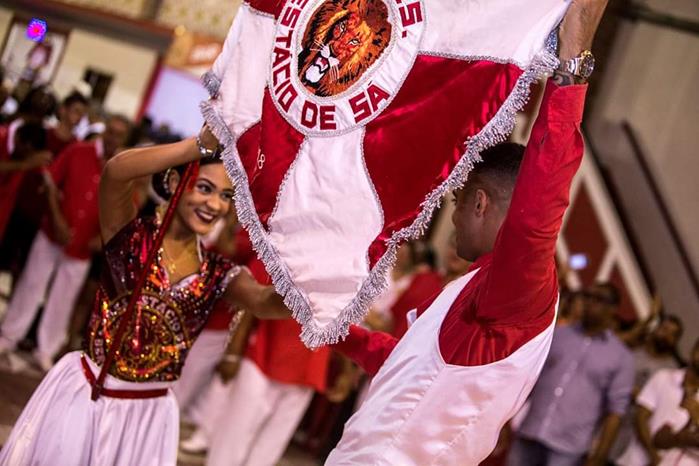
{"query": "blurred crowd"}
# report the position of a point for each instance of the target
(609, 393)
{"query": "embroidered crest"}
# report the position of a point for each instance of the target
(335, 62)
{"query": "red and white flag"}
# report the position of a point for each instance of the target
(346, 121)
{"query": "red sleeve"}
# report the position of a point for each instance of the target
(522, 280)
(61, 165)
(368, 349)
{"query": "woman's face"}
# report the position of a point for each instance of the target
(211, 199)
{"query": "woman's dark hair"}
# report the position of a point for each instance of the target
(75, 97)
(38, 103)
(33, 134)
(158, 180)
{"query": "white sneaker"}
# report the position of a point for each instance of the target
(44, 361)
(196, 443)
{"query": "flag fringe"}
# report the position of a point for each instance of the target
(495, 131)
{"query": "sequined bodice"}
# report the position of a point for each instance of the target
(168, 318)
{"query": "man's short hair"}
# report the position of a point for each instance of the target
(33, 134)
(613, 297)
(499, 168)
(75, 98)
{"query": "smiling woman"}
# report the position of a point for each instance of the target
(144, 349)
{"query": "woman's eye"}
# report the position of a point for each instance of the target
(204, 188)
(228, 197)
(354, 42)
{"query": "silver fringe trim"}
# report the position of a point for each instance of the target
(211, 82)
(495, 131)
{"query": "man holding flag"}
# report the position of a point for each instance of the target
(442, 393)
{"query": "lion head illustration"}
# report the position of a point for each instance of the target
(342, 40)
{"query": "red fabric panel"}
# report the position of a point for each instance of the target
(280, 144)
(277, 350)
(442, 102)
(273, 7)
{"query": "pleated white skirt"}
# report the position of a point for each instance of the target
(62, 426)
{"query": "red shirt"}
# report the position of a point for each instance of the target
(423, 286)
(277, 350)
(55, 144)
(76, 172)
(513, 296)
(9, 183)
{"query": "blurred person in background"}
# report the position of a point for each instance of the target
(582, 393)
(32, 203)
(265, 386)
(412, 281)
(200, 369)
(667, 419)
(29, 153)
(35, 108)
(64, 245)
(70, 112)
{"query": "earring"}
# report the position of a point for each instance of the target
(166, 181)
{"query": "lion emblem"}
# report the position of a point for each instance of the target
(342, 40)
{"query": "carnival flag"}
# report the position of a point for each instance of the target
(345, 122)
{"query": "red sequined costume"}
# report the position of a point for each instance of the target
(169, 317)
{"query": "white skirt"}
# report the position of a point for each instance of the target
(62, 426)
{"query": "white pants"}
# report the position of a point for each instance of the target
(45, 258)
(257, 419)
(62, 426)
(198, 373)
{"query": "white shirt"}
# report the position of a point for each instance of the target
(662, 395)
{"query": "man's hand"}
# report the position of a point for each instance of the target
(344, 383)
(62, 231)
(37, 159)
(579, 26)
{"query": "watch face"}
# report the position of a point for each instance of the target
(587, 65)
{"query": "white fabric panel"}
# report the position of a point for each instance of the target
(326, 219)
(406, 399)
(509, 30)
(243, 66)
(61, 425)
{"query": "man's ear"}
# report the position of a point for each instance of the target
(481, 201)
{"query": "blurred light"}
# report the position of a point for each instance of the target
(36, 30)
(577, 261)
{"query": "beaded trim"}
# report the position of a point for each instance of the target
(496, 131)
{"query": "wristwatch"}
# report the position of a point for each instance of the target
(580, 66)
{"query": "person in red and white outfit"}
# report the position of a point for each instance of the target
(63, 246)
(466, 365)
(667, 419)
(251, 419)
